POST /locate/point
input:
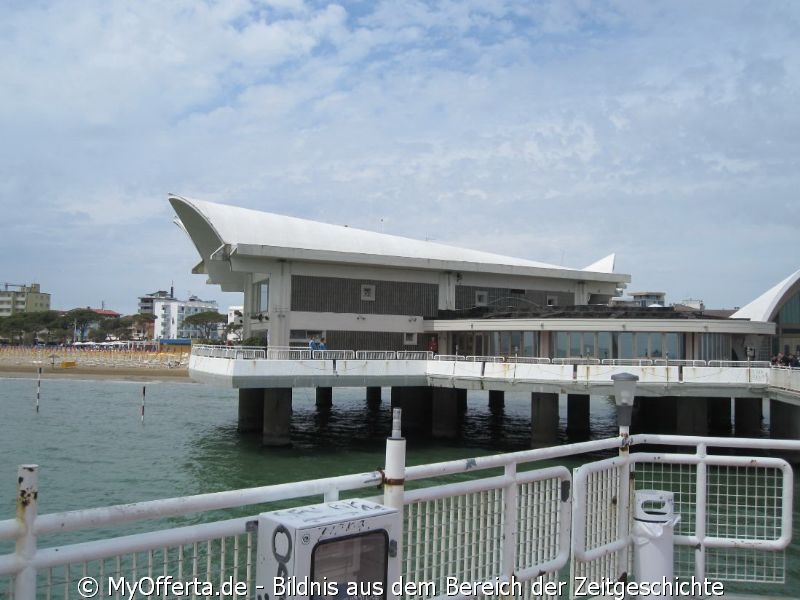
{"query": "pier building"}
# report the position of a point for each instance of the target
(433, 321)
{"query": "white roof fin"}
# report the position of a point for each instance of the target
(604, 265)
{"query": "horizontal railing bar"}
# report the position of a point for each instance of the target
(170, 507)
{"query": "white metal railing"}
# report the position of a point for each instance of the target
(489, 359)
(671, 362)
(575, 361)
(750, 364)
(233, 352)
(628, 362)
(288, 353)
(450, 357)
(414, 355)
(522, 521)
(531, 360)
(376, 355)
(333, 354)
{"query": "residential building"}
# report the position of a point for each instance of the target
(170, 315)
(15, 298)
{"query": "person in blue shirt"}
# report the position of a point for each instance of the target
(322, 345)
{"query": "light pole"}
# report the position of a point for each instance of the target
(624, 392)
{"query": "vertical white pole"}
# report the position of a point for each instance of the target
(38, 388)
(27, 495)
(395, 478)
(144, 391)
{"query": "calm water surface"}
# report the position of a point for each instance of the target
(93, 449)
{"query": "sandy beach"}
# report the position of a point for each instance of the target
(88, 364)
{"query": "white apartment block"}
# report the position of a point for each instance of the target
(170, 314)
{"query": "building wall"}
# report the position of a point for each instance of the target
(498, 298)
(328, 294)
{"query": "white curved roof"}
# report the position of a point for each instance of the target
(246, 229)
(767, 305)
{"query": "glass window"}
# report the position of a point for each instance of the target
(263, 297)
(530, 346)
(561, 344)
(624, 345)
(516, 342)
(641, 345)
(589, 344)
(576, 341)
(673, 346)
(604, 345)
(655, 346)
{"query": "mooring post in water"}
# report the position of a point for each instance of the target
(144, 391)
(38, 388)
(27, 495)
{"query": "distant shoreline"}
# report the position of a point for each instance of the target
(30, 371)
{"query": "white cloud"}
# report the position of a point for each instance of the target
(551, 130)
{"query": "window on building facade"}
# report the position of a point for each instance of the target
(552, 300)
(409, 339)
(481, 298)
(368, 292)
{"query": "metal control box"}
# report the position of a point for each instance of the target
(342, 549)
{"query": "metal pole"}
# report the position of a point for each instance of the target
(27, 494)
(394, 478)
(38, 388)
(144, 391)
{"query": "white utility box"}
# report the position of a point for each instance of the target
(342, 549)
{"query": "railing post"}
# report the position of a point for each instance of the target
(27, 495)
(508, 562)
(394, 478)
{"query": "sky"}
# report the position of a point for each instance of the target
(667, 132)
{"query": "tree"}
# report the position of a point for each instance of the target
(207, 322)
(82, 318)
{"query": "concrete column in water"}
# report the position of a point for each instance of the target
(445, 413)
(462, 400)
(784, 423)
(277, 417)
(747, 417)
(374, 394)
(656, 414)
(496, 400)
(544, 419)
(578, 414)
(692, 416)
(416, 404)
(719, 415)
(251, 410)
(324, 397)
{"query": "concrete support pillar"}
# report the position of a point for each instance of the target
(415, 402)
(374, 394)
(446, 416)
(251, 410)
(784, 420)
(544, 419)
(462, 400)
(277, 417)
(784, 423)
(692, 416)
(656, 414)
(747, 417)
(719, 416)
(497, 400)
(578, 415)
(324, 397)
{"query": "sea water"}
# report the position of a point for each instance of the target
(94, 447)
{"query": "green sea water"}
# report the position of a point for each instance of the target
(93, 449)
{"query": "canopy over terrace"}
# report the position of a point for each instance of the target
(242, 248)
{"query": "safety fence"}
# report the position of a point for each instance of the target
(501, 518)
